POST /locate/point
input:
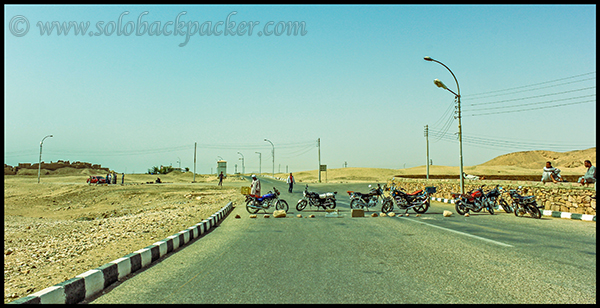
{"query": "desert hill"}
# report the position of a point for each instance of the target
(537, 159)
(527, 164)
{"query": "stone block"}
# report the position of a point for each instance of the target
(357, 213)
(279, 213)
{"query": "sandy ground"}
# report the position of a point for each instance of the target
(63, 227)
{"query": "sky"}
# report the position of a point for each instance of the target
(147, 85)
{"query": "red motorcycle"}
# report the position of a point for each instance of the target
(471, 201)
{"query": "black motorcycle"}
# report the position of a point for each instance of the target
(419, 200)
(326, 200)
(471, 201)
(524, 204)
(360, 200)
(494, 199)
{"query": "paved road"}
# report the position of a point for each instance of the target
(427, 259)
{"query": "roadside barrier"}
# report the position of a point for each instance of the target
(92, 282)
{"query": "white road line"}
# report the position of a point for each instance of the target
(467, 234)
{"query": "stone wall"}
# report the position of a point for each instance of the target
(560, 197)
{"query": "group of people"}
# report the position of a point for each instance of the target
(111, 178)
(255, 186)
(552, 174)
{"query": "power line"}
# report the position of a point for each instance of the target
(529, 104)
(492, 142)
(535, 96)
(538, 108)
(526, 86)
(534, 89)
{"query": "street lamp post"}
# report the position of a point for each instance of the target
(40, 161)
(273, 153)
(243, 168)
(440, 84)
(259, 163)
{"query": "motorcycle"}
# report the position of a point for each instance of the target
(326, 200)
(360, 200)
(255, 203)
(495, 198)
(474, 201)
(419, 200)
(524, 204)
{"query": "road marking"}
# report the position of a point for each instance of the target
(463, 233)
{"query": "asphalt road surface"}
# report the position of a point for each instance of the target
(429, 259)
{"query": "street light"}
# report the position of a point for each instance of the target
(40, 161)
(243, 168)
(273, 153)
(440, 84)
(259, 163)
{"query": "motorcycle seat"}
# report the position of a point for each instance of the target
(416, 192)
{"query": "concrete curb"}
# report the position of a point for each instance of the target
(550, 213)
(92, 282)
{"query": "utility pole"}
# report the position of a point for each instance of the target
(427, 140)
(319, 146)
(194, 180)
(259, 163)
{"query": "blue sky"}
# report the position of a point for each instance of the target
(356, 79)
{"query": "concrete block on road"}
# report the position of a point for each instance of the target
(357, 213)
(279, 213)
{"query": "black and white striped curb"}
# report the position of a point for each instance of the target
(550, 213)
(92, 282)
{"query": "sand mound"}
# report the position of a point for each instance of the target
(538, 159)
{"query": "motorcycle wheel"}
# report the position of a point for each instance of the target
(282, 205)
(251, 209)
(301, 205)
(534, 212)
(491, 210)
(423, 208)
(332, 204)
(505, 206)
(387, 206)
(516, 210)
(460, 208)
(356, 204)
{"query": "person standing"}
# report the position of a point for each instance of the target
(255, 186)
(291, 182)
(122, 178)
(108, 178)
(221, 179)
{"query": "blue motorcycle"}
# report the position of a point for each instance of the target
(255, 203)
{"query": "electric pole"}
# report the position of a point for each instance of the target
(427, 141)
(194, 180)
(319, 146)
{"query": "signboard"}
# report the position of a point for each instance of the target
(323, 168)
